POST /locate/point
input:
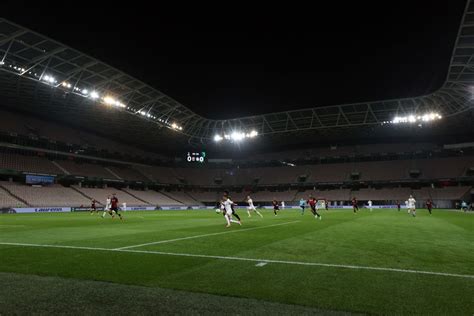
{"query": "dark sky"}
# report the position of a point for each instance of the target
(230, 61)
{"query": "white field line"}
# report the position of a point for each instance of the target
(328, 265)
(200, 236)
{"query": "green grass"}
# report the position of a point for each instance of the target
(443, 242)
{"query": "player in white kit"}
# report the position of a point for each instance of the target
(411, 206)
(251, 207)
(228, 211)
(107, 206)
(369, 203)
(124, 206)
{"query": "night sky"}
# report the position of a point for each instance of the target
(232, 62)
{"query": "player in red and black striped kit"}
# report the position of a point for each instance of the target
(312, 203)
(93, 207)
(115, 208)
(355, 208)
(429, 205)
(276, 207)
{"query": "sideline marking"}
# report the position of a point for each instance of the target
(328, 265)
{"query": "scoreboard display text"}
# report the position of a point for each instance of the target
(196, 156)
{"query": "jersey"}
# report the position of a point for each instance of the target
(283, 204)
(107, 204)
(429, 204)
(369, 203)
(411, 203)
(354, 202)
(275, 204)
(114, 203)
(250, 202)
(302, 203)
(312, 203)
(228, 206)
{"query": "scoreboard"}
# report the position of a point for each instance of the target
(199, 157)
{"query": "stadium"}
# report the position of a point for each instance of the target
(116, 198)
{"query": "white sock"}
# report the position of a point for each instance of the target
(227, 219)
(103, 214)
(234, 221)
(259, 214)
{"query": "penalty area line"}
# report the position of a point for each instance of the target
(267, 261)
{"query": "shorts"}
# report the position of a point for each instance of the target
(251, 208)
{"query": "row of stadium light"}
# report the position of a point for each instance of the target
(235, 136)
(412, 119)
(94, 95)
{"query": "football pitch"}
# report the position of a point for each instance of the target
(172, 262)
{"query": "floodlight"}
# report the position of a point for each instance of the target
(218, 138)
(94, 95)
(109, 100)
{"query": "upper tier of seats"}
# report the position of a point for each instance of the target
(26, 125)
(394, 170)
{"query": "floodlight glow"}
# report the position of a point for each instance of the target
(84, 91)
(109, 100)
(253, 133)
(218, 138)
(237, 136)
(427, 117)
(2, 63)
(142, 112)
(94, 95)
(49, 79)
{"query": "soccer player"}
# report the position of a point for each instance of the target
(355, 208)
(107, 206)
(114, 209)
(251, 207)
(124, 206)
(411, 206)
(302, 205)
(312, 203)
(398, 205)
(326, 204)
(282, 204)
(228, 211)
(93, 207)
(276, 207)
(226, 193)
(464, 206)
(429, 205)
(369, 203)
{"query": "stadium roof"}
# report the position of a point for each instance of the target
(42, 76)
